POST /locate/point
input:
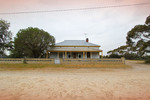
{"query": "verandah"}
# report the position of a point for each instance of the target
(75, 54)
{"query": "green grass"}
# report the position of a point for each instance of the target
(40, 66)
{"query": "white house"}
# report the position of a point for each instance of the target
(77, 49)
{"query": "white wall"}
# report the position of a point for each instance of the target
(95, 55)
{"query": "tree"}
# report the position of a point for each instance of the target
(5, 37)
(138, 38)
(32, 42)
(137, 44)
(119, 51)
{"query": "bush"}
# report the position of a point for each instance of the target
(147, 61)
(132, 56)
(115, 56)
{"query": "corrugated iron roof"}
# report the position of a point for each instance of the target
(75, 43)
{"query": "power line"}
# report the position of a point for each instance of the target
(76, 9)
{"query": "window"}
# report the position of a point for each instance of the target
(69, 56)
(79, 56)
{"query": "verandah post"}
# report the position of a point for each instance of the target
(83, 54)
(65, 54)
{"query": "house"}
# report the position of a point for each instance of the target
(74, 49)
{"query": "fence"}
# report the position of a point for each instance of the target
(92, 61)
(28, 60)
(62, 61)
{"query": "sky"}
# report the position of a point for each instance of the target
(106, 27)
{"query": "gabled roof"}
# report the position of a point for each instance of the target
(75, 43)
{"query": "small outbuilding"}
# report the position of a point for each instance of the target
(75, 49)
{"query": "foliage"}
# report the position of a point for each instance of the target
(5, 37)
(147, 61)
(132, 56)
(115, 56)
(137, 44)
(119, 51)
(31, 42)
(139, 38)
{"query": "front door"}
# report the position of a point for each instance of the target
(88, 55)
(74, 55)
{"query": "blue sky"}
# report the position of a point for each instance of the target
(107, 27)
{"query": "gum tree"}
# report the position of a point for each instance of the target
(5, 37)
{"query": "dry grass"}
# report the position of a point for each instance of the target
(96, 66)
(24, 66)
(136, 61)
(37, 66)
(54, 82)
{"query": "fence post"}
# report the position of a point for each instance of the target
(24, 60)
(57, 61)
(123, 60)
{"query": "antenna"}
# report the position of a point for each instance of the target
(85, 35)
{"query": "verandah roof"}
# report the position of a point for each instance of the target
(74, 50)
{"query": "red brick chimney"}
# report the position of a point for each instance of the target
(87, 40)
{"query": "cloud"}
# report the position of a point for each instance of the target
(106, 27)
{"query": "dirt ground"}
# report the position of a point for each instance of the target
(77, 84)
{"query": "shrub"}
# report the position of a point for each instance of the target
(147, 61)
